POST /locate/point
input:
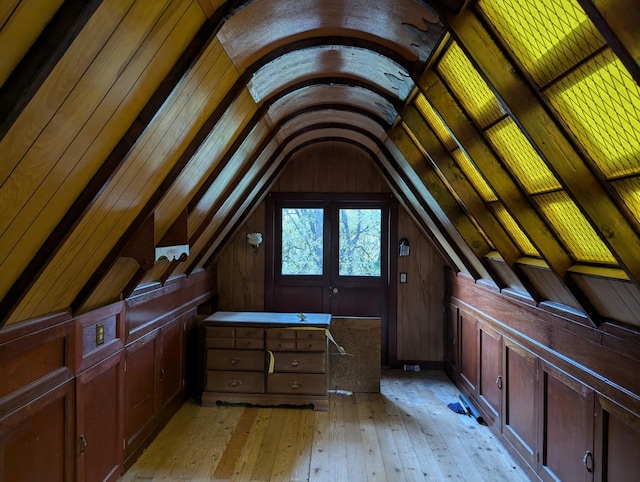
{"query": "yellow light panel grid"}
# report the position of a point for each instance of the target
(438, 126)
(629, 191)
(469, 87)
(600, 103)
(547, 37)
(510, 225)
(521, 158)
(573, 229)
(474, 177)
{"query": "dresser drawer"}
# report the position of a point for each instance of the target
(235, 382)
(249, 332)
(281, 334)
(242, 360)
(297, 383)
(311, 345)
(295, 340)
(249, 343)
(226, 337)
(220, 332)
(300, 362)
(281, 345)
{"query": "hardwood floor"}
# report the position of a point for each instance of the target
(406, 432)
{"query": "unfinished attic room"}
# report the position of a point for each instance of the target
(319, 240)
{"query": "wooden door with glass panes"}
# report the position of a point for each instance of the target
(330, 256)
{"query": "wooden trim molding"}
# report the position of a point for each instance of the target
(601, 359)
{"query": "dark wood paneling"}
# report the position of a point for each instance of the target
(171, 370)
(621, 440)
(520, 401)
(32, 350)
(148, 310)
(300, 298)
(490, 373)
(99, 418)
(331, 167)
(451, 342)
(36, 441)
(141, 411)
(468, 374)
(31, 365)
(601, 359)
(567, 442)
(88, 352)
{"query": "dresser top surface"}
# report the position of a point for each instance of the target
(269, 318)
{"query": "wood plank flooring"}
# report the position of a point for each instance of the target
(404, 433)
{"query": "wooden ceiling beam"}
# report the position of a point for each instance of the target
(587, 191)
(107, 170)
(514, 200)
(442, 160)
(435, 193)
(42, 57)
(118, 155)
(422, 213)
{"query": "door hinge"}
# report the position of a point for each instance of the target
(124, 366)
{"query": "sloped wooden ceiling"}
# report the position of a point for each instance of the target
(128, 125)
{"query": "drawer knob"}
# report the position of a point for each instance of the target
(234, 360)
(234, 383)
(295, 363)
(296, 385)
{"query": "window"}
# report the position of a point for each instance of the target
(359, 240)
(302, 241)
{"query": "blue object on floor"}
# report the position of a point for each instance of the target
(457, 407)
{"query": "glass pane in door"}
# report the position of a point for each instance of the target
(302, 237)
(360, 232)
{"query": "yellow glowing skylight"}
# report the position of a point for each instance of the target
(469, 87)
(510, 225)
(548, 37)
(521, 158)
(600, 102)
(474, 177)
(435, 122)
(572, 227)
(629, 191)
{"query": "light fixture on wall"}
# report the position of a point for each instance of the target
(404, 247)
(254, 239)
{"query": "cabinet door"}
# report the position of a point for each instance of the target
(99, 392)
(171, 370)
(567, 421)
(142, 361)
(468, 352)
(490, 373)
(618, 443)
(36, 442)
(451, 342)
(519, 421)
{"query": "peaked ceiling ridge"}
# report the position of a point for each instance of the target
(275, 23)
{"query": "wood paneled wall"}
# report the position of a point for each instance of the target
(334, 167)
(563, 395)
(420, 325)
(69, 398)
(241, 272)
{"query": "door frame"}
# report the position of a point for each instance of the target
(388, 325)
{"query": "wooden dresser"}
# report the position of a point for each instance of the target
(266, 359)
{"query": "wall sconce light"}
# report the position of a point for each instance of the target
(404, 247)
(254, 239)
